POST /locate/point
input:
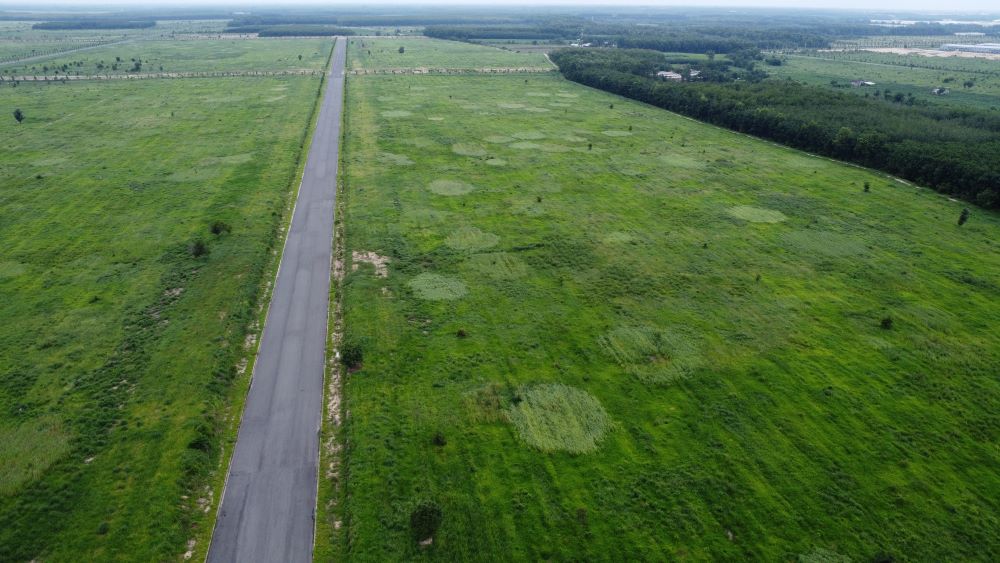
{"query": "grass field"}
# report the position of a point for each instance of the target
(120, 340)
(420, 52)
(906, 74)
(612, 333)
(187, 56)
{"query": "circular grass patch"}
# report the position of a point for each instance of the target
(824, 243)
(613, 133)
(567, 95)
(436, 118)
(498, 139)
(651, 355)
(468, 149)
(395, 159)
(435, 287)
(450, 187)
(471, 238)
(397, 113)
(495, 162)
(511, 105)
(525, 146)
(529, 135)
(756, 214)
(537, 110)
(11, 269)
(537, 94)
(554, 417)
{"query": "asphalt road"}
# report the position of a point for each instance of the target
(269, 504)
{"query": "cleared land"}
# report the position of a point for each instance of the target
(906, 74)
(368, 53)
(186, 56)
(618, 331)
(138, 221)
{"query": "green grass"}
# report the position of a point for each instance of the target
(755, 407)
(420, 52)
(193, 55)
(906, 74)
(118, 347)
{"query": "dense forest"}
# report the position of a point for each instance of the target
(951, 150)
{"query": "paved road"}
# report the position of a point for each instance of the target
(269, 504)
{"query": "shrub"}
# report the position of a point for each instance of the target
(439, 439)
(351, 353)
(963, 217)
(198, 248)
(886, 323)
(219, 227)
(425, 520)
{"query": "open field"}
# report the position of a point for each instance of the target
(138, 219)
(906, 74)
(186, 56)
(615, 333)
(368, 53)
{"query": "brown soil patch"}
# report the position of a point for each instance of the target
(381, 263)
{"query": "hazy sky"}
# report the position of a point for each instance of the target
(950, 6)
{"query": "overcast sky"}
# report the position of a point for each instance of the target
(950, 6)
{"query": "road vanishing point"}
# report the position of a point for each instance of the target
(268, 505)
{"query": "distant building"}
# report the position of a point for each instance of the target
(991, 48)
(940, 91)
(860, 83)
(669, 75)
(695, 73)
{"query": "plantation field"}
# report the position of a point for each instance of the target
(138, 219)
(188, 56)
(368, 53)
(10, 49)
(904, 74)
(609, 332)
(910, 41)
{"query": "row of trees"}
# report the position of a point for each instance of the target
(952, 150)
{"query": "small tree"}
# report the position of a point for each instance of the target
(886, 323)
(963, 217)
(300, 57)
(19, 115)
(868, 187)
(402, 50)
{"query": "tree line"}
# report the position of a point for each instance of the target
(951, 150)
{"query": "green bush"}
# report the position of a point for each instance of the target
(424, 520)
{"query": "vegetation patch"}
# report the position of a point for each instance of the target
(435, 287)
(471, 238)
(27, 450)
(499, 265)
(553, 417)
(756, 214)
(450, 187)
